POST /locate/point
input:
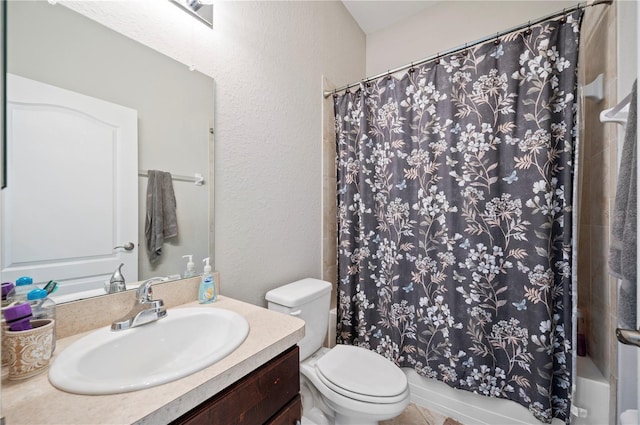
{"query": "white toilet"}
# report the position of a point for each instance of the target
(345, 385)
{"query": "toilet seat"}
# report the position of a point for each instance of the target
(362, 375)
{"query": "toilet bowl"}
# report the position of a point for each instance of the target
(345, 385)
(352, 396)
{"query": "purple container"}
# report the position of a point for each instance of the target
(7, 287)
(18, 317)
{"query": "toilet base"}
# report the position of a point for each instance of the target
(314, 410)
(315, 417)
(344, 416)
(350, 420)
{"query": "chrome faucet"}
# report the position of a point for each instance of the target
(145, 309)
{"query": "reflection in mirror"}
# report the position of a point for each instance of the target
(83, 103)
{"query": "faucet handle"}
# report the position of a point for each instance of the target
(144, 293)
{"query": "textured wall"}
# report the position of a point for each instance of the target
(446, 25)
(269, 133)
(267, 59)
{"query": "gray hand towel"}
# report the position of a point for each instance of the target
(161, 220)
(623, 249)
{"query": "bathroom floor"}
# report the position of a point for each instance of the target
(416, 415)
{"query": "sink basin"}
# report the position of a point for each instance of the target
(186, 341)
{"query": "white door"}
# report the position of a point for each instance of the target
(72, 191)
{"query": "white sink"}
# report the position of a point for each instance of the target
(184, 342)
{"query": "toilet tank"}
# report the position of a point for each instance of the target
(308, 299)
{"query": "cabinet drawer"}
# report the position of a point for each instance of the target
(253, 399)
(291, 414)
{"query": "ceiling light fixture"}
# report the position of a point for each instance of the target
(201, 9)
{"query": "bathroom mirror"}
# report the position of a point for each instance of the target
(53, 46)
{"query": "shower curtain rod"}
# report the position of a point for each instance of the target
(565, 11)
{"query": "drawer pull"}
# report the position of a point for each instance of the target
(295, 312)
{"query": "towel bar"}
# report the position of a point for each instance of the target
(197, 178)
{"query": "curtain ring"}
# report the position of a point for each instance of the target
(564, 15)
(412, 69)
(335, 93)
(437, 60)
(388, 75)
(465, 52)
(528, 31)
(497, 40)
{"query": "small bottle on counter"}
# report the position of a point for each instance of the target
(207, 291)
(24, 285)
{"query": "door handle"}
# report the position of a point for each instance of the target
(127, 247)
(628, 336)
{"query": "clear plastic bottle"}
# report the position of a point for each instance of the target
(43, 307)
(191, 267)
(8, 293)
(24, 285)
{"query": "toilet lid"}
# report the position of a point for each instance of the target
(354, 370)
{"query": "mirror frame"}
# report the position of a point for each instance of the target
(3, 95)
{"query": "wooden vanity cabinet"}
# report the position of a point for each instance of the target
(268, 395)
(288, 415)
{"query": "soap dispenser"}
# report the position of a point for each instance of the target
(191, 268)
(207, 291)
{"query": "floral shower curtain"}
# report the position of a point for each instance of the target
(454, 217)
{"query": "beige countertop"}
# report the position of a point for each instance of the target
(36, 401)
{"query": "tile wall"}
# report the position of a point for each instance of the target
(329, 221)
(598, 175)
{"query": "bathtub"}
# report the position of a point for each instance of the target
(592, 394)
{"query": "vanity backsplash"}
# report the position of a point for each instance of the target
(92, 313)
